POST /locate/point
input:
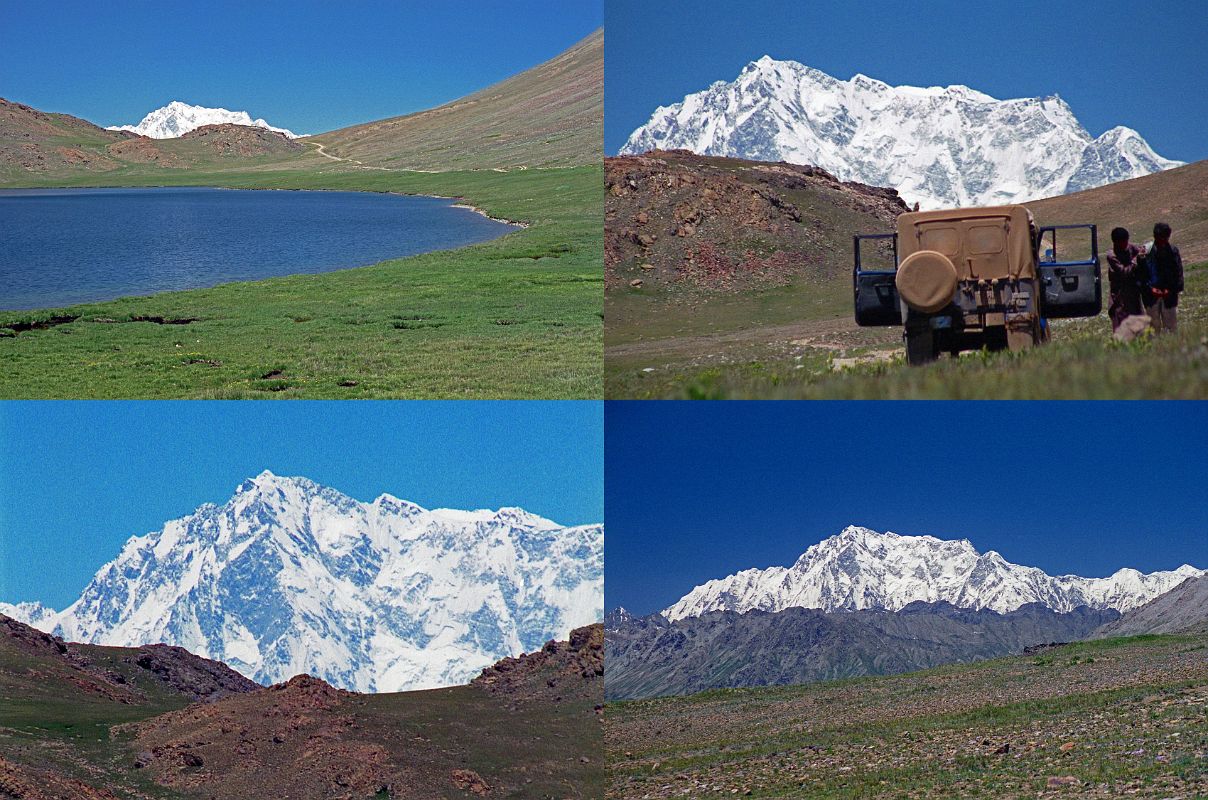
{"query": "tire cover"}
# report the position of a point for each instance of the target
(926, 280)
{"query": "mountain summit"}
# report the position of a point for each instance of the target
(177, 118)
(860, 568)
(940, 146)
(290, 577)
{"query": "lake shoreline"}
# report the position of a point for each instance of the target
(415, 233)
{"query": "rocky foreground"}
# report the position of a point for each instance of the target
(82, 721)
(1107, 719)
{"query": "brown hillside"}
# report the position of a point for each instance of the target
(1178, 196)
(127, 675)
(33, 141)
(574, 667)
(242, 140)
(549, 116)
(677, 218)
(535, 732)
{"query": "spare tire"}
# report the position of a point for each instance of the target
(927, 281)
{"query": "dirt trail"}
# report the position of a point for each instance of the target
(838, 333)
(320, 149)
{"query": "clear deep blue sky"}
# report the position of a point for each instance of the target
(78, 479)
(700, 491)
(307, 65)
(1110, 60)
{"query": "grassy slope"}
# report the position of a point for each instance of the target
(516, 317)
(47, 723)
(547, 116)
(1082, 361)
(1119, 716)
(532, 750)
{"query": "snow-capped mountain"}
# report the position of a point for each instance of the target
(177, 118)
(941, 147)
(861, 568)
(289, 576)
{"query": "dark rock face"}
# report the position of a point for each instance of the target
(649, 656)
(199, 678)
(560, 669)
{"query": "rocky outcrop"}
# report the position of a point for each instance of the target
(18, 782)
(242, 141)
(718, 223)
(572, 667)
(198, 678)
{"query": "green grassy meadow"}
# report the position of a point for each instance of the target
(517, 317)
(1082, 361)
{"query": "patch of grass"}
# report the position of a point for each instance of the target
(421, 327)
(1082, 361)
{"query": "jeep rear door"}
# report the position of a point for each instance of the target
(1068, 267)
(876, 266)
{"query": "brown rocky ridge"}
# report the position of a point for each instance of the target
(243, 140)
(674, 217)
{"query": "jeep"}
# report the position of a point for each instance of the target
(968, 278)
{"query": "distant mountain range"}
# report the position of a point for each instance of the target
(862, 569)
(177, 118)
(939, 146)
(291, 577)
(653, 656)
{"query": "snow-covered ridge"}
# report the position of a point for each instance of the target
(939, 146)
(177, 118)
(861, 568)
(290, 576)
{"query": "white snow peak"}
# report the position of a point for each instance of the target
(289, 576)
(861, 568)
(939, 146)
(177, 118)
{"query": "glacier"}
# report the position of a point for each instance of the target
(177, 118)
(938, 146)
(860, 568)
(291, 577)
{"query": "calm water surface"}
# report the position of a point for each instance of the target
(65, 246)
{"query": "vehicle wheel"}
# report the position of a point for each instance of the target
(920, 348)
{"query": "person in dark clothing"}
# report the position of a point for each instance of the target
(1127, 277)
(1165, 280)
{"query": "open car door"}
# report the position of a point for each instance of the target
(876, 266)
(1068, 269)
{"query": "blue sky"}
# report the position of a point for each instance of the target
(306, 65)
(700, 491)
(1144, 65)
(79, 478)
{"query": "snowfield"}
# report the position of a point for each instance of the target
(177, 118)
(939, 146)
(861, 568)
